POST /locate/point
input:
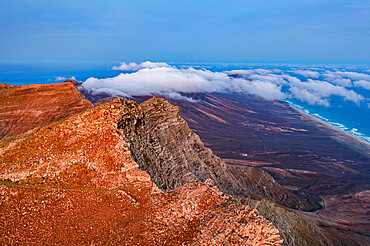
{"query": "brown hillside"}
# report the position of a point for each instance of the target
(23, 108)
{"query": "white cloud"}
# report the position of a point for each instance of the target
(262, 71)
(263, 89)
(362, 83)
(325, 89)
(307, 96)
(162, 79)
(111, 92)
(250, 71)
(352, 75)
(342, 82)
(291, 79)
(307, 73)
(134, 66)
(165, 80)
(272, 78)
(240, 72)
(178, 96)
(59, 78)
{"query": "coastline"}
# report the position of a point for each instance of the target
(353, 133)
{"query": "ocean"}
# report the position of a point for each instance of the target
(336, 94)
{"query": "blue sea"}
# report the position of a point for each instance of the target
(343, 113)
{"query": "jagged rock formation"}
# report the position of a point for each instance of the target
(75, 182)
(23, 108)
(163, 145)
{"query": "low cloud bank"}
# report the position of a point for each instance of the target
(362, 83)
(132, 66)
(307, 73)
(61, 78)
(150, 78)
(166, 80)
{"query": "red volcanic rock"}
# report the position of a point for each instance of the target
(75, 182)
(23, 108)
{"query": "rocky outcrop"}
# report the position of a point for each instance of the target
(74, 182)
(23, 108)
(163, 145)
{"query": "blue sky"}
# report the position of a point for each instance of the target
(294, 31)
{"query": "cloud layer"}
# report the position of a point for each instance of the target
(165, 80)
(132, 66)
(313, 87)
(61, 78)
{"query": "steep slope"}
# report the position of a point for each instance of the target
(162, 144)
(23, 108)
(75, 182)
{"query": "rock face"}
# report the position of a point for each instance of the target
(75, 182)
(23, 108)
(163, 145)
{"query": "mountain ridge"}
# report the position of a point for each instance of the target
(75, 181)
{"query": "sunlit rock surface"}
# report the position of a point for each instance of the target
(23, 108)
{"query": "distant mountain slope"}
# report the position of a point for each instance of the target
(23, 108)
